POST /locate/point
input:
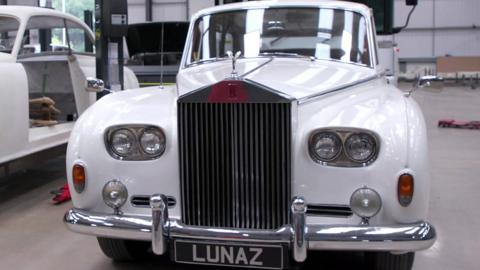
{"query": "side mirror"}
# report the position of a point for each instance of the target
(429, 81)
(94, 85)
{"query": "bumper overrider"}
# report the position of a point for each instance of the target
(298, 236)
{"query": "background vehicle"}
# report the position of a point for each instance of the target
(146, 48)
(43, 66)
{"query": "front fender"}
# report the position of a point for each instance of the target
(150, 106)
(14, 111)
(384, 110)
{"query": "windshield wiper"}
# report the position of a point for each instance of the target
(209, 60)
(284, 54)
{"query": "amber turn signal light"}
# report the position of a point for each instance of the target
(405, 189)
(79, 178)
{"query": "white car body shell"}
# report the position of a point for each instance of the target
(328, 94)
(17, 139)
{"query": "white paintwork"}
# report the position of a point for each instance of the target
(373, 105)
(17, 139)
(299, 78)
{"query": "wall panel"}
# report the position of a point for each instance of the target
(450, 24)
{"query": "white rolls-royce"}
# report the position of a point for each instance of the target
(45, 57)
(281, 137)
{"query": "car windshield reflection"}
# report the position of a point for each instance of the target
(316, 33)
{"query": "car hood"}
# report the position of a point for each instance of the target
(297, 78)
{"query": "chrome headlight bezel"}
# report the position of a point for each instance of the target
(314, 140)
(343, 159)
(137, 153)
(159, 135)
(362, 136)
(129, 137)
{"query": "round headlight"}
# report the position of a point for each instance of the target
(360, 147)
(122, 142)
(153, 142)
(365, 202)
(114, 194)
(325, 146)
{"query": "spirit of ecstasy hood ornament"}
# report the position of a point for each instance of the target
(234, 74)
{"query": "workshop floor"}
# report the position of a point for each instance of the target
(32, 235)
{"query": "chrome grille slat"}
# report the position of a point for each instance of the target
(235, 164)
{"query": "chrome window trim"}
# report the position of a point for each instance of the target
(366, 15)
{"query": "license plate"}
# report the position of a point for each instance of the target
(235, 255)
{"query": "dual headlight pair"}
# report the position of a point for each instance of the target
(343, 147)
(135, 142)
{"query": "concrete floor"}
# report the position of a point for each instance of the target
(32, 235)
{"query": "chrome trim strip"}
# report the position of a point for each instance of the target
(270, 59)
(313, 97)
(268, 88)
(396, 238)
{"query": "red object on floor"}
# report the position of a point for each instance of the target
(451, 123)
(63, 196)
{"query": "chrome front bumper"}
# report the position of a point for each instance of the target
(299, 236)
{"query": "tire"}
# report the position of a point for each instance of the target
(124, 250)
(389, 261)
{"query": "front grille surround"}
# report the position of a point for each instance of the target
(235, 164)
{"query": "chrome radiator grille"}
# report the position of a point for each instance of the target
(235, 164)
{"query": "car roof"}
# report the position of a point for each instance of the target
(356, 7)
(23, 13)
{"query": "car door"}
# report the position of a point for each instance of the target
(81, 62)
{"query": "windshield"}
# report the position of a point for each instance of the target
(8, 33)
(317, 32)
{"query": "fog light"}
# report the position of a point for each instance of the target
(365, 202)
(115, 194)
